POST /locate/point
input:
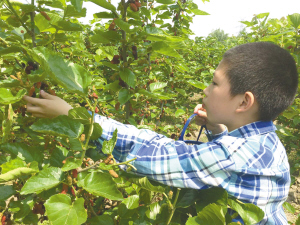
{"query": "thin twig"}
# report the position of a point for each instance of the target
(87, 168)
(91, 207)
(17, 16)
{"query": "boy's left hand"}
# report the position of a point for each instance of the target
(48, 106)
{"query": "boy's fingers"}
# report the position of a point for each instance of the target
(33, 109)
(201, 113)
(199, 107)
(46, 95)
(34, 101)
(38, 115)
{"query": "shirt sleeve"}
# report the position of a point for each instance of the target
(170, 162)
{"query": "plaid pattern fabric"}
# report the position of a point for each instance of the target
(249, 162)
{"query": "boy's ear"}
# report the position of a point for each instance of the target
(247, 102)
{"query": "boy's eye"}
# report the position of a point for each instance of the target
(214, 83)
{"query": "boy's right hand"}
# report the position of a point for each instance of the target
(48, 106)
(201, 119)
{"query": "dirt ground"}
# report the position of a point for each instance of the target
(294, 200)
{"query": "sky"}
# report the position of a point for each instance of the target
(224, 14)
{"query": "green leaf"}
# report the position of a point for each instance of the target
(101, 184)
(97, 132)
(21, 208)
(145, 184)
(71, 11)
(6, 97)
(146, 12)
(9, 82)
(6, 191)
(16, 173)
(156, 95)
(62, 210)
(262, 15)
(106, 37)
(71, 76)
(157, 86)
(108, 146)
(211, 214)
(71, 163)
(289, 207)
(164, 214)
(101, 220)
(12, 164)
(283, 130)
(295, 19)
(24, 152)
(165, 49)
(68, 26)
(45, 180)
(187, 197)
(199, 12)
(131, 202)
(54, 3)
(153, 211)
(80, 114)
(297, 221)
(77, 4)
(124, 96)
(13, 49)
(251, 214)
(62, 126)
(167, 2)
(212, 195)
(181, 91)
(104, 15)
(104, 4)
(59, 154)
(128, 77)
(45, 25)
(197, 84)
(179, 112)
(122, 25)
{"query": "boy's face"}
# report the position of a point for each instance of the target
(218, 102)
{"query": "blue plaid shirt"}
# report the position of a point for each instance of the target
(250, 163)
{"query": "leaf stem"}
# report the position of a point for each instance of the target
(90, 129)
(174, 206)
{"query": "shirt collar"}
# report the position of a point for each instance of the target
(255, 128)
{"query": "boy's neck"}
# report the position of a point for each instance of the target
(241, 120)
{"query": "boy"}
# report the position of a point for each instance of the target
(253, 84)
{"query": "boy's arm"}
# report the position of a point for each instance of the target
(170, 162)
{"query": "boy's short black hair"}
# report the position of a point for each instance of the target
(266, 70)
